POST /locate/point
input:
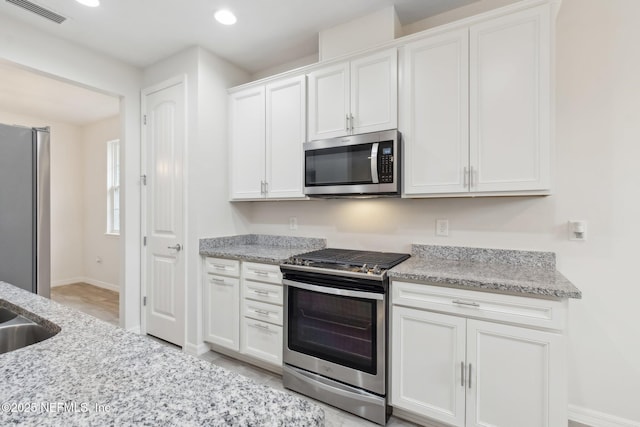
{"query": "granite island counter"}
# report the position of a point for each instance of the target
(92, 373)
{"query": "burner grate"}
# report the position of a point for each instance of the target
(384, 260)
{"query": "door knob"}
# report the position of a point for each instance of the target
(176, 247)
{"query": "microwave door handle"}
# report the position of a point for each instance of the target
(374, 162)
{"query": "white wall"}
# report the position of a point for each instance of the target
(94, 170)
(598, 134)
(66, 195)
(208, 212)
(42, 52)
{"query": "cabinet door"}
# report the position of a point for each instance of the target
(222, 311)
(286, 128)
(435, 114)
(427, 362)
(247, 137)
(517, 377)
(374, 92)
(510, 108)
(262, 340)
(329, 102)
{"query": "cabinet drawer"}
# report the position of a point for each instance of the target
(262, 340)
(262, 311)
(262, 272)
(262, 292)
(227, 267)
(483, 305)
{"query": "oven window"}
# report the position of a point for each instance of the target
(347, 165)
(338, 329)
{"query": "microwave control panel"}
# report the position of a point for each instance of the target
(385, 162)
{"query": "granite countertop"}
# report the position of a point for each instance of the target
(526, 273)
(259, 247)
(108, 376)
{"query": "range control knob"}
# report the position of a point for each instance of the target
(306, 262)
(364, 268)
(376, 269)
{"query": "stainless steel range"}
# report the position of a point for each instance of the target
(336, 342)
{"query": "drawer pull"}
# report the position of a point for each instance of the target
(219, 266)
(262, 312)
(219, 281)
(261, 292)
(261, 273)
(263, 327)
(460, 302)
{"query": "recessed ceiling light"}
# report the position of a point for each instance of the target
(225, 17)
(90, 3)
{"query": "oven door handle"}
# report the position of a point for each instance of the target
(334, 291)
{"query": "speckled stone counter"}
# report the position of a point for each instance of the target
(527, 273)
(94, 374)
(259, 247)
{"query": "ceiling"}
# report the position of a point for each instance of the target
(268, 32)
(142, 32)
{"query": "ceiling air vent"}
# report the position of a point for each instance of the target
(39, 10)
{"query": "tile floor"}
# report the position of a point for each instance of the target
(103, 304)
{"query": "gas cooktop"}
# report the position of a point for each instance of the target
(347, 260)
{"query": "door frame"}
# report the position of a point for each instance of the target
(179, 79)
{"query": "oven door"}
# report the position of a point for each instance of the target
(336, 332)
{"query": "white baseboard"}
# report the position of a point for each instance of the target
(598, 419)
(88, 280)
(196, 349)
(70, 281)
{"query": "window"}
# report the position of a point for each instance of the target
(113, 187)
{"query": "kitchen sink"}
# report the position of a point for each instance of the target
(18, 331)
(6, 315)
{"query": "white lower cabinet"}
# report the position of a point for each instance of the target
(465, 371)
(244, 313)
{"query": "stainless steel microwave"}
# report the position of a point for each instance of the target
(354, 166)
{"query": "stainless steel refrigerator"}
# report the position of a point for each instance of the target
(25, 249)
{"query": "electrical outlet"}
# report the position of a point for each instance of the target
(442, 227)
(293, 223)
(578, 230)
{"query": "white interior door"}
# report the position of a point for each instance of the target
(165, 136)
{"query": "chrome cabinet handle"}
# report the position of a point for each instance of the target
(472, 304)
(469, 375)
(471, 177)
(260, 292)
(219, 281)
(351, 115)
(177, 247)
(259, 326)
(261, 273)
(346, 122)
(462, 374)
(219, 267)
(262, 312)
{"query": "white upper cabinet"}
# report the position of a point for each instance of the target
(247, 136)
(354, 97)
(286, 118)
(435, 112)
(510, 68)
(268, 128)
(476, 108)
